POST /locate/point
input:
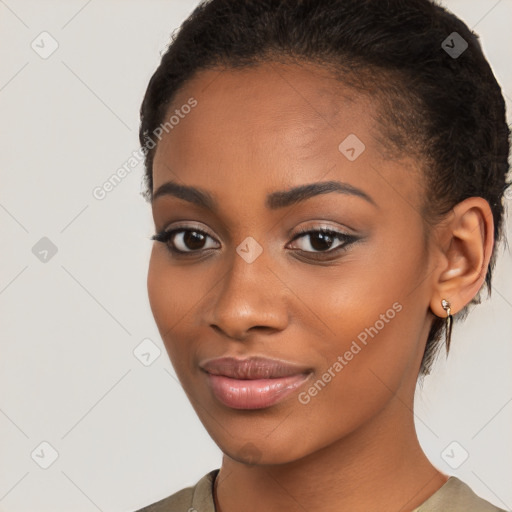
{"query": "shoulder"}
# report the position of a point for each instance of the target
(456, 496)
(198, 497)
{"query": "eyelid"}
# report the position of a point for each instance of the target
(321, 227)
(189, 227)
(294, 235)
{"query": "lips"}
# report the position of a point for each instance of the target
(253, 383)
(251, 368)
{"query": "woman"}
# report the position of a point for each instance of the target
(327, 181)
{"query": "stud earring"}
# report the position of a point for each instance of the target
(448, 325)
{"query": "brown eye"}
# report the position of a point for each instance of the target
(184, 240)
(323, 240)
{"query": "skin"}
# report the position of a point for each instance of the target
(273, 127)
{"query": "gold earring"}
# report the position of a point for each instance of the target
(448, 325)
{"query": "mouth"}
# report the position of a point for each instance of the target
(253, 383)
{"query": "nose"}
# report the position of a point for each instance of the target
(249, 297)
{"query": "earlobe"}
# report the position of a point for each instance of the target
(466, 245)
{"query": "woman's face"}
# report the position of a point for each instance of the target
(348, 310)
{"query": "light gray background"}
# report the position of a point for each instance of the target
(125, 433)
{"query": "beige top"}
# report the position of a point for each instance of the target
(453, 496)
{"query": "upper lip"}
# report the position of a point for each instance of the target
(251, 368)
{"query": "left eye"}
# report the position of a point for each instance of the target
(321, 240)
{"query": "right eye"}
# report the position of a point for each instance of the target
(183, 240)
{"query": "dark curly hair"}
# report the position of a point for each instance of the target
(447, 110)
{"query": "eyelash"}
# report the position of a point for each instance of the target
(166, 236)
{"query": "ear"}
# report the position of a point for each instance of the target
(464, 247)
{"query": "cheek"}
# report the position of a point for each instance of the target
(167, 298)
(175, 294)
(171, 291)
(370, 331)
(157, 284)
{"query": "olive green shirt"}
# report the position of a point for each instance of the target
(453, 496)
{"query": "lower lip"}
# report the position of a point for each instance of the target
(253, 394)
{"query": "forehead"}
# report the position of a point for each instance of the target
(267, 126)
(289, 101)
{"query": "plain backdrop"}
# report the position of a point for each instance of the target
(114, 433)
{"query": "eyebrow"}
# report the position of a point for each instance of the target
(274, 200)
